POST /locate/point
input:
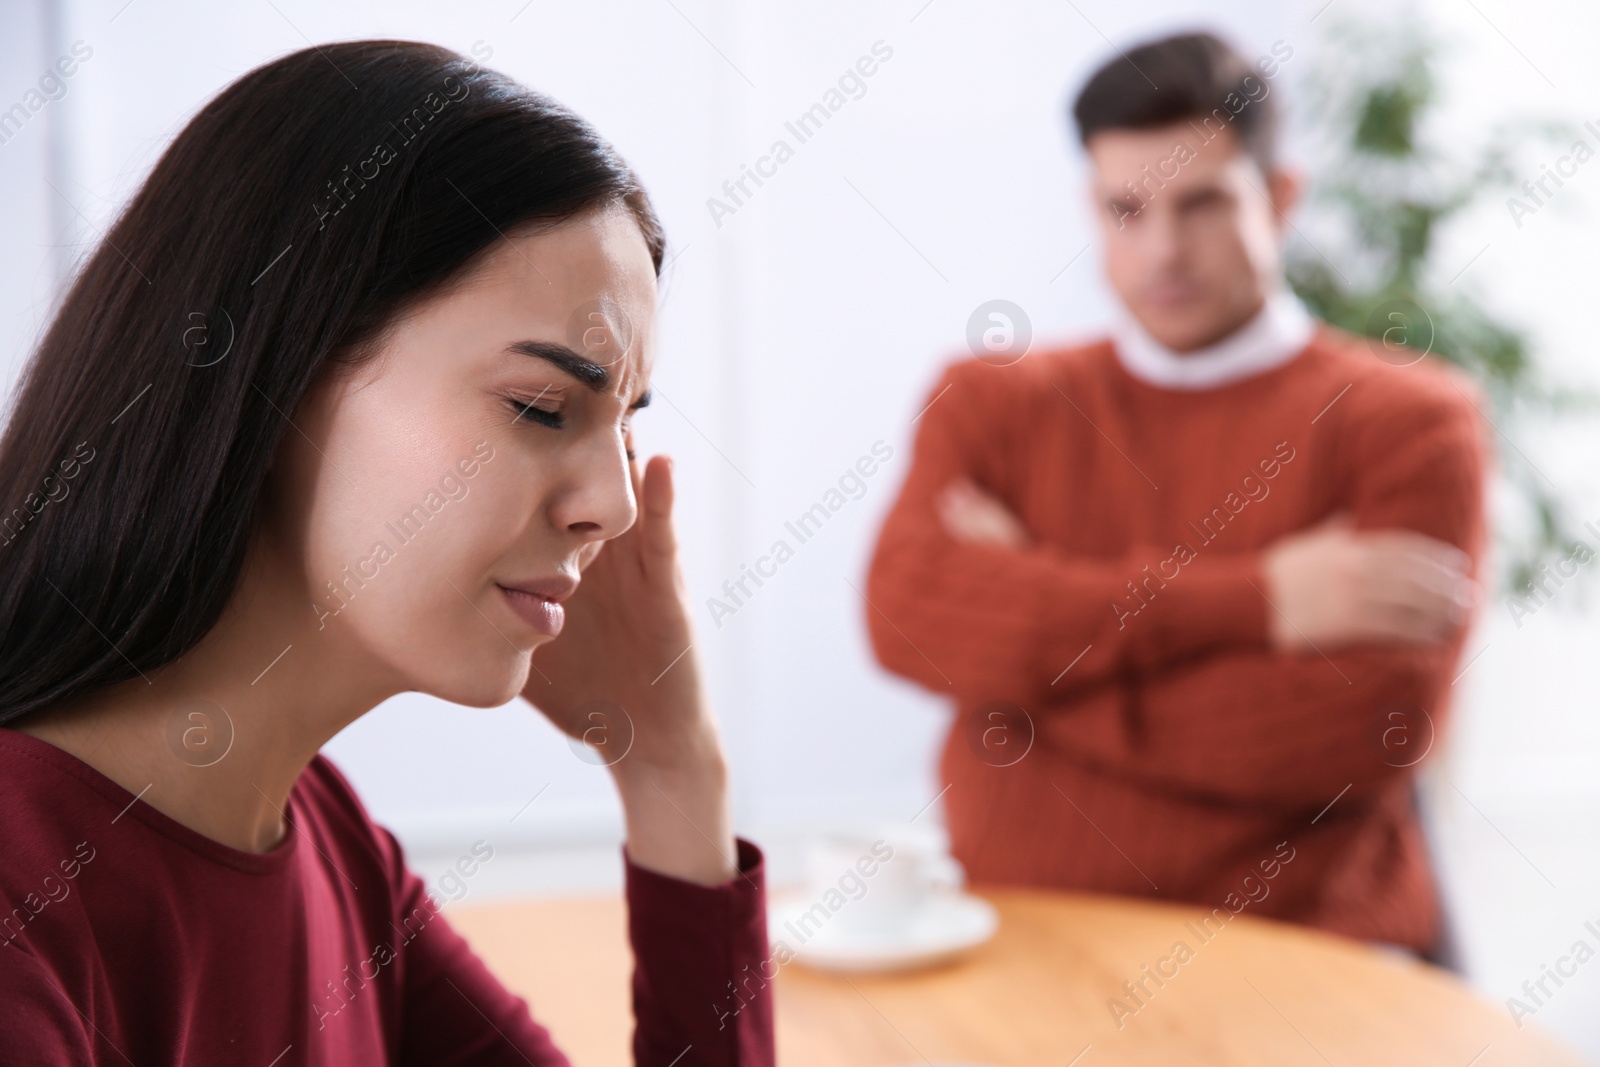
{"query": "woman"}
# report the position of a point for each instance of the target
(340, 408)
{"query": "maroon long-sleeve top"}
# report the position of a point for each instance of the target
(129, 938)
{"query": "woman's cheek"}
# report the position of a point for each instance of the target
(509, 497)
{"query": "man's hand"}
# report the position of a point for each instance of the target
(975, 516)
(624, 678)
(1332, 585)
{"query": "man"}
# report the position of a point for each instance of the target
(1198, 590)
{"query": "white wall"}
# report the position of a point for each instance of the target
(807, 326)
(28, 262)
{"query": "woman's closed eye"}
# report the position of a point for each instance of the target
(530, 410)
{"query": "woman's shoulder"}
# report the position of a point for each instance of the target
(45, 793)
(323, 784)
(324, 788)
(48, 807)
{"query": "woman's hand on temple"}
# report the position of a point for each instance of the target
(623, 676)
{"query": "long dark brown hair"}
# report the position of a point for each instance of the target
(286, 225)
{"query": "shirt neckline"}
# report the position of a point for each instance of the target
(130, 806)
(1278, 332)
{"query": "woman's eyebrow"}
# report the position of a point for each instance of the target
(586, 371)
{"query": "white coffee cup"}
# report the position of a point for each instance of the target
(872, 888)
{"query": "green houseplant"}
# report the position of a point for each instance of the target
(1383, 192)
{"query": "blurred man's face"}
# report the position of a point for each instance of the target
(1193, 247)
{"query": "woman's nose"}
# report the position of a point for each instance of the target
(598, 501)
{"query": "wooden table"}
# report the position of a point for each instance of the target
(1258, 992)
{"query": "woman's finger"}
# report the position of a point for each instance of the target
(657, 536)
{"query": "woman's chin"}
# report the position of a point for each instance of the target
(481, 686)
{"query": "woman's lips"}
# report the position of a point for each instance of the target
(541, 613)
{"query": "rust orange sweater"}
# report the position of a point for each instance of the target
(1122, 724)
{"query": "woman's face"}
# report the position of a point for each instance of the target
(483, 446)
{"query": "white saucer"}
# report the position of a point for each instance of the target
(945, 925)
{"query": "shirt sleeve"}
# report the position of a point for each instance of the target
(693, 946)
(1298, 729)
(702, 995)
(983, 622)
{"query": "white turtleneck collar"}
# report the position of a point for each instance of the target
(1275, 335)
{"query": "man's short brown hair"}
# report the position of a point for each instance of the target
(1195, 76)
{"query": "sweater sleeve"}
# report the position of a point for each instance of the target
(1264, 728)
(1258, 726)
(690, 943)
(982, 622)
